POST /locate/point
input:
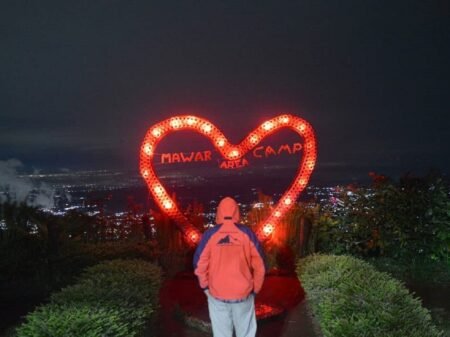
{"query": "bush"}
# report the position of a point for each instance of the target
(119, 250)
(408, 219)
(37, 256)
(75, 256)
(129, 284)
(78, 256)
(419, 270)
(23, 268)
(74, 321)
(350, 298)
(120, 295)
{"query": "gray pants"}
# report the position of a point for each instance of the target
(226, 315)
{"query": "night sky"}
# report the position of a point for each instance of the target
(81, 81)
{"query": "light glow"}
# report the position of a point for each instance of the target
(158, 189)
(301, 127)
(302, 182)
(175, 123)
(254, 139)
(267, 228)
(310, 164)
(191, 121)
(267, 125)
(156, 132)
(148, 149)
(194, 237)
(207, 128)
(234, 153)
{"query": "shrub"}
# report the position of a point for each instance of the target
(37, 256)
(131, 284)
(78, 256)
(120, 294)
(350, 298)
(24, 268)
(119, 250)
(419, 270)
(408, 219)
(75, 256)
(74, 321)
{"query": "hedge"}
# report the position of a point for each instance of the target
(114, 298)
(76, 256)
(350, 298)
(29, 274)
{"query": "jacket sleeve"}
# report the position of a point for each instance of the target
(258, 265)
(201, 262)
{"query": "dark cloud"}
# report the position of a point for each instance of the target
(80, 81)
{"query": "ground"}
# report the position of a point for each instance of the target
(182, 300)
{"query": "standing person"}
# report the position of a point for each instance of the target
(229, 264)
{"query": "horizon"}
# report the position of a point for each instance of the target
(324, 174)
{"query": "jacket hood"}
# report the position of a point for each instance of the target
(227, 211)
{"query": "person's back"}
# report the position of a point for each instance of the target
(230, 267)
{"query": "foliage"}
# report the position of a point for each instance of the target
(418, 270)
(118, 295)
(350, 298)
(406, 220)
(91, 253)
(37, 255)
(24, 253)
(177, 255)
(23, 259)
(74, 321)
(291, 238)
(117, 283)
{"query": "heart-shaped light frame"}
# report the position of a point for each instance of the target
(230, 152)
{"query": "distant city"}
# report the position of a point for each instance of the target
(114, 193)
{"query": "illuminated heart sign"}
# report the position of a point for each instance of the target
(230, 152)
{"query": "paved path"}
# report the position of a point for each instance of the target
(295, 323)
(182, 296)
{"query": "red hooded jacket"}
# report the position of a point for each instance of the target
(229, 260)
